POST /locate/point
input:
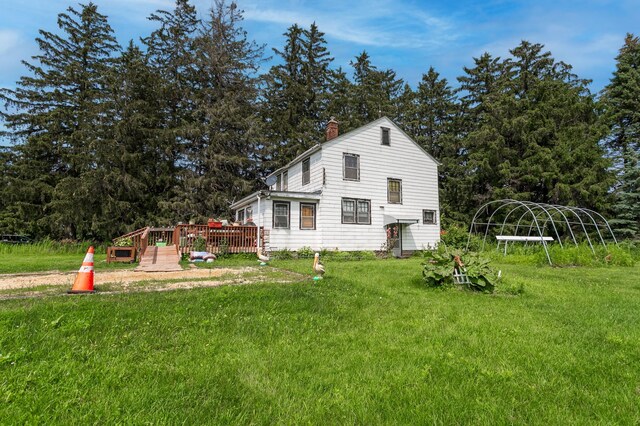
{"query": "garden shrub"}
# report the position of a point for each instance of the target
(438, 268)
(200, 244)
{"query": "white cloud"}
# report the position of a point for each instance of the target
(385, 24)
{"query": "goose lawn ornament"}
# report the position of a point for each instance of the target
(318, 267)
(263, 259)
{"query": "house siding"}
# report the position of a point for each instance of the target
(402, 159)
(295, 175)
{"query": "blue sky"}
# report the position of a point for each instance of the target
(406, 35)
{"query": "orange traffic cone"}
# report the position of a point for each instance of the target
(84, 279)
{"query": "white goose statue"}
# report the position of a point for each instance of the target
(262, 258)
(318, 267)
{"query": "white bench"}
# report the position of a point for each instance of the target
(521, 238)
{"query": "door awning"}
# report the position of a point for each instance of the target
(390, 220)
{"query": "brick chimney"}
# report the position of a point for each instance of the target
(332, 129)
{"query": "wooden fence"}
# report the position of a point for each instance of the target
(229, 239)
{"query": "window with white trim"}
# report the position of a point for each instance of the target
(306, 171)
(285, 181)
(281, 210)
(351, 166)
(394, 191)
(307, 216)
(240, 216)
(356, 211)
(429, 217)
(278, 182)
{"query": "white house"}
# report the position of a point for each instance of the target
(350, 193)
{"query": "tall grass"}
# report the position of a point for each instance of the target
(569, 255)
(48, 247)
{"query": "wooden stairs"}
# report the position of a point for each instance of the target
(159, 259)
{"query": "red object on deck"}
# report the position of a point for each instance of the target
(214, 224)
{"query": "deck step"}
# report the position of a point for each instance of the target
(159, 259)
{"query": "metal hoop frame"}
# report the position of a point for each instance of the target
(539, 216)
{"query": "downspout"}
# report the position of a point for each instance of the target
(259, 213)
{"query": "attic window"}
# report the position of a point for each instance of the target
(386, 137)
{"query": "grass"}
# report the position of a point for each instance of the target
(51, 255)
(369, 344)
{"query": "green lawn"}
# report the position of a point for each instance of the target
(64, 262)
(367, 345)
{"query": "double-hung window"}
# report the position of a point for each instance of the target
(351, 166)
(385, 136)
(281, 210)
(306, 171)
(240, 216)
(279, 182)
(394, 191)
(356, 211)
(285, 181)
(307, 216)
(429, 217)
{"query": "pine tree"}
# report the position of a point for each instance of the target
(295, 95)
(375, 91)
(621, 102)
(56, 114)
(219, 161)
(627, 205)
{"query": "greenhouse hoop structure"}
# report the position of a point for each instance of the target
(528, 222)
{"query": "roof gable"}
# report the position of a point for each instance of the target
(348, 134)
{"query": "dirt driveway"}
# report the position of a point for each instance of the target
(14, 286)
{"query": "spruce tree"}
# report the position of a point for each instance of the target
(219, 161)
(295, 97)
(621, 102)
(55, 117)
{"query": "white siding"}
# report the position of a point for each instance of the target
(293, 238)
(295, 175)
(401, 160)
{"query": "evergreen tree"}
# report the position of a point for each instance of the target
(627, 205)
(219, 159)
(55, 122)
(621, 102)
(531, 133)
(295, 95)
(375, 91)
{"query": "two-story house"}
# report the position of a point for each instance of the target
(351, 192)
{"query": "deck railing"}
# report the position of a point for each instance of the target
(230, 239)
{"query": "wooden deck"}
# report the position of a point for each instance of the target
(159, 259)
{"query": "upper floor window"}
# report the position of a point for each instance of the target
(351, 166)
(394, 191)
(278, 182)
(285, 181)
(429, 217)
(386, 136)
(281, 214)
(356, 211)
(306, 171)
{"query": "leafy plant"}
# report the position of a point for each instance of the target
(223, 248)
(124, 242)
(200, 244)
(305, 252)
(439, 266)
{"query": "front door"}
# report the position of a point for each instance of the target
(394, 239)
